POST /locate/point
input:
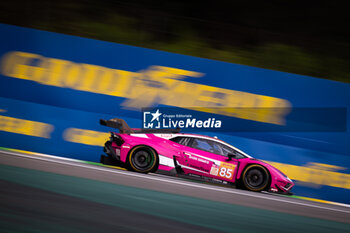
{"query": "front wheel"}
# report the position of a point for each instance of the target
(255, 178)
(142, 159)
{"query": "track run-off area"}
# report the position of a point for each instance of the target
(48, 193)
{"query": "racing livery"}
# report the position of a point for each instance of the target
(199, 156)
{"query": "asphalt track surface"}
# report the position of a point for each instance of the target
(45, 194)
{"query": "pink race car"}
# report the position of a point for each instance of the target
(196, 156)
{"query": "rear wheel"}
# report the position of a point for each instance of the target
(142, 159)
(255, 178)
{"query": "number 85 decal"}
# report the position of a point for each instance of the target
(226, 173)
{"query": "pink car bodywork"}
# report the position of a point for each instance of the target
(196, 162)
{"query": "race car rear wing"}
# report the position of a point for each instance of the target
(124, 127)
(117, 124)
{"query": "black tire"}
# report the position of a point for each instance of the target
(256, 178)
(143, 159)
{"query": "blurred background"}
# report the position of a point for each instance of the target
(302, 37)
(54, 89)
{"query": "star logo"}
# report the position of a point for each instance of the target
(156, 115)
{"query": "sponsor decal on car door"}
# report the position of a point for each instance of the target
(198, 164)
(223, 171)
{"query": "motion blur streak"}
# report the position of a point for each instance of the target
(88, 137)
(144, 88)
(316, 173)
(25, 127)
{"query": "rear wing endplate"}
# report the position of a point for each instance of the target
(124, 127)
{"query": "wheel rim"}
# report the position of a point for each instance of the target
(142, 160)
(255, 178)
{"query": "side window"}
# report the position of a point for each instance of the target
(181, 140)
(176, 139)
(205, 145)
(228, 150)
(215, 147)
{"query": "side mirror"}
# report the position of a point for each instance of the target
(230, 156)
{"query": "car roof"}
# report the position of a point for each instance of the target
(170, 136)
